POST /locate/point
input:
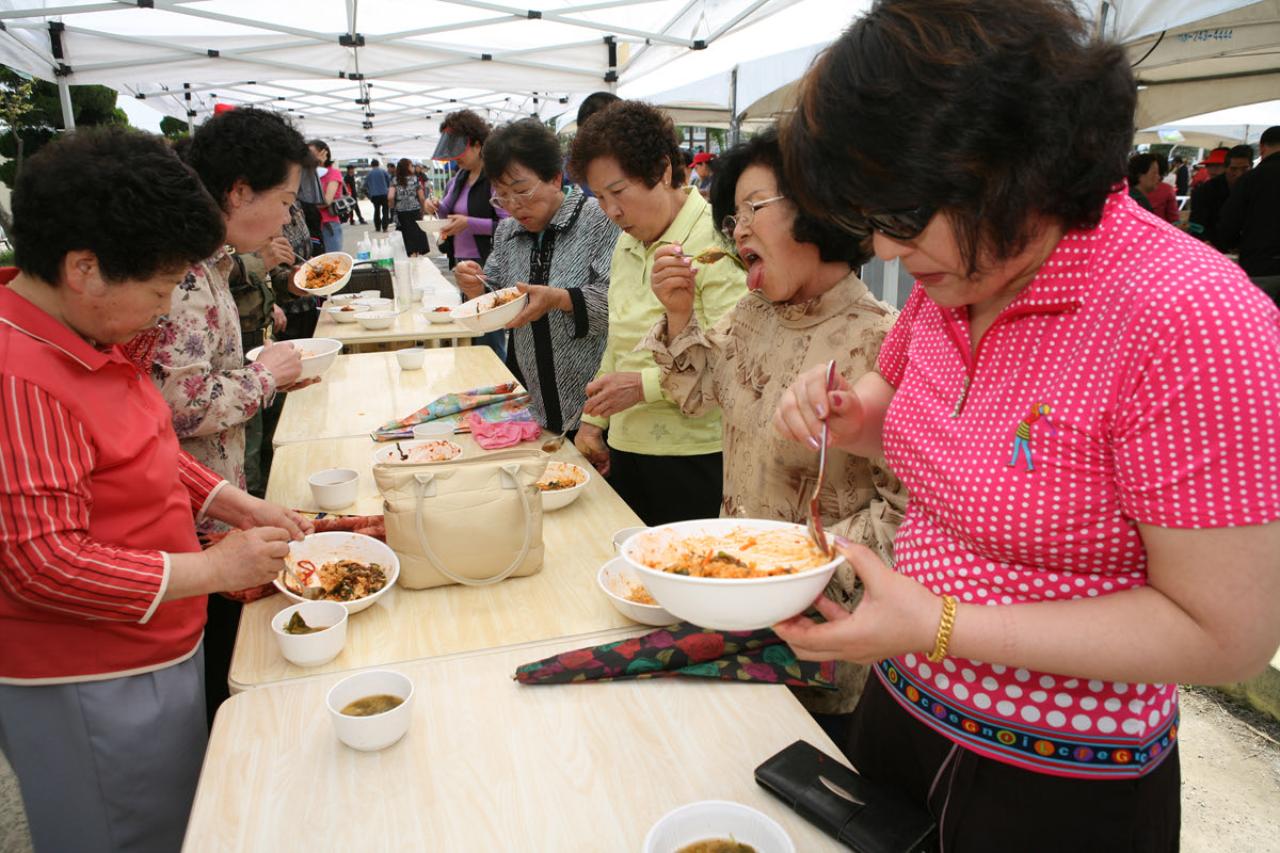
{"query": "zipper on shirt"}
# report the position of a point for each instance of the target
(964, 395)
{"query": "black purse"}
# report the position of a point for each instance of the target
(859, 814)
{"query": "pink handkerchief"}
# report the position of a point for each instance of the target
(492, 436)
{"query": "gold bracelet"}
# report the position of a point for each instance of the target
(945, 624)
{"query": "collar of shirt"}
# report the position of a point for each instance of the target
(679, 229)
(17, 312)
(837, 301)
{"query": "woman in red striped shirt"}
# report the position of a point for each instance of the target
(102, 581)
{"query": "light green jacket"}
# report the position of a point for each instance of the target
(656, 427)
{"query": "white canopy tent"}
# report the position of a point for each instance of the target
(366, 74)
(1228, 127)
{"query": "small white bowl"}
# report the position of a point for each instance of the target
(411, 358)
(322, 548)
(318, 355)
(375, 303)
(373, 320)
(563, 497)
(345, 261)
(439, 314)
(616, 578)
(369, 294)
(334, 488)
(432, 430)
(620, 536)
(712, 819)
(388, 455)
(727, 604)
(480, 315)
(345, 313)
(431, 226)
(318, 647)
(369, 734)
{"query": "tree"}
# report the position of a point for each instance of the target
(42, 120)
(173, 128)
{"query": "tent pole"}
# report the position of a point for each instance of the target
(64, 95)
(186, 96)
(735, 127)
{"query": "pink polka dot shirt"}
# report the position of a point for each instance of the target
(1133, 381)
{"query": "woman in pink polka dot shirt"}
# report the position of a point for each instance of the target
(1081, 401)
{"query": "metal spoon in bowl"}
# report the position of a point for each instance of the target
(310, 593)
(551, 445)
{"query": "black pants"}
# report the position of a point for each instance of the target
(662, 489)
(219, 640)
(986, 805)
(415, 239)
(381, 216)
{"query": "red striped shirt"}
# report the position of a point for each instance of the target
(94, 495)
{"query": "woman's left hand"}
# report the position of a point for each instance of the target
(542, 300)
(896, 616)
(260, 513)
(453, 226)
(613, 393)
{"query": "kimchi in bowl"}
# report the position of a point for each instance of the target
(342, 564)
(730, 574)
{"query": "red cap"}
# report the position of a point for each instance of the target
(702, 157)
(219, 109)
(1217, 157)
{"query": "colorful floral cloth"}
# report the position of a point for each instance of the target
(684, 649)
(494, 403)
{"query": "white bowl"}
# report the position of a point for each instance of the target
(346, 261)
(621, 536)
(432, 430)
(369, 294)
(316, 648)
(431, 226)
(615, 578)
(411, 358)
(318, 355)
(322, 548)
(373, 320)
(334, 488)
(344, 313)
(717, 819)
(390, 456)
(379, 731)
(438, 316)
(563, 497)
(727, 604)
(375, 303)
(341, 299)
(479, 315)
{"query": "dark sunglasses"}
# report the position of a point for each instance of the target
(903, 224)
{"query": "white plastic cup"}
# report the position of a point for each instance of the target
(334, 488)
(411, 358)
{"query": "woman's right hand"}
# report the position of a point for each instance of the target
(249, 558)
(673, 281)
(590, 443)
(807, 404)
(470, 278)
(284, 361)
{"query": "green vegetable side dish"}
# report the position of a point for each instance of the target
(298, 625)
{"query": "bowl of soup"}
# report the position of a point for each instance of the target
(371, 710)
(717, 826)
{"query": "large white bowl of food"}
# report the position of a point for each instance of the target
(561, 484)
(628, 595)
(416, 452)
(730, 574)
(318, 355)
(492, 311)
(324, 274)
(350, 568)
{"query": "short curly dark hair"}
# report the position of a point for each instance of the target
(528, 142)
(466, 123)
(763, 150)
(119, 193)
(246, 144)
(1139, 165)
(639, 136)
(919, 103)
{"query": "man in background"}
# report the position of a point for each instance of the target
(375, 186)
(1250, 221)
(1208, 199)
(349, 178)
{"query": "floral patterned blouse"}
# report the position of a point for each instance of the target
(198, 364)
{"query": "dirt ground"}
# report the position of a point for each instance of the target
(1230, 781)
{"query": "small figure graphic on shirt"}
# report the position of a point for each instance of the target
(1022, 436)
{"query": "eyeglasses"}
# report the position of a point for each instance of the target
(745, 217)
(521, 198)
(905, 224)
